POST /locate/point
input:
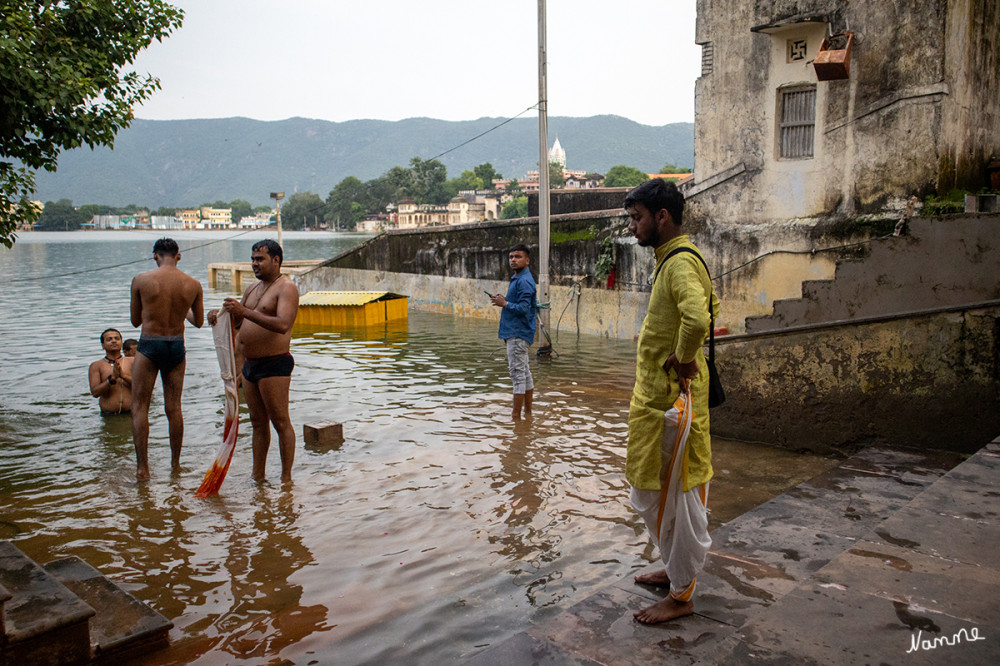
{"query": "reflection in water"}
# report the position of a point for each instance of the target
(438, 527)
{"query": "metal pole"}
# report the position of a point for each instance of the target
(278, 196)
(543, 173)
(279, 223)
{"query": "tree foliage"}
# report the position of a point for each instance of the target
(516, 207)
(302, 209)
(347, 203)
(62, 216)
(670, 167)
(557, 178)
(514, 188)
(487, 174)
(624, 176)
(427, 182)
(63, 84)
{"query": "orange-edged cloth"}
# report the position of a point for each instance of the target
(225, 348)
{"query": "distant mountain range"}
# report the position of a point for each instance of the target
(189, 162)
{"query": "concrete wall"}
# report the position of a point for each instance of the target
(941, 261)
(446, 269)
(920, 112)
(930, 381)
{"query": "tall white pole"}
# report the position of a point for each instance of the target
(279, 223)
(543, 172)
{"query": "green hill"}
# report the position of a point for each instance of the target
(188, 162)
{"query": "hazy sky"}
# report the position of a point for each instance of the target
(449, 59)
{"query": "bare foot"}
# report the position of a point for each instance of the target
(657, 578)
(142, 474)
(664, 611)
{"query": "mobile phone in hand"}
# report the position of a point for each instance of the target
(488, 293)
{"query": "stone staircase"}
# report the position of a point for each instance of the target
(66, 612)
(941, 262)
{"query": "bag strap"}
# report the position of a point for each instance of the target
(711, 315)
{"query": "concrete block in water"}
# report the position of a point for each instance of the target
(323, 434)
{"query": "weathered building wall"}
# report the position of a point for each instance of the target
(929, 381)
(448, 268)
(579, 201)
(918, 114)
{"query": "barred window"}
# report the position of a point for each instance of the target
(797, 121)
(707, 58)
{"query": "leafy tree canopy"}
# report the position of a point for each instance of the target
(467, 181)
(556, 176)
(427, 182)
(624, 176)
(346, 204)
(487, 174)
(673, 168)
(63, 84)
(61, 216)
(516, 207)
(302, 209)
(514, 188)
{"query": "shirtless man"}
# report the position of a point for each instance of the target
(111, 377)
(161, 299)
(264, 318)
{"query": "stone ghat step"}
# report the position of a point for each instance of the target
(123, 627)
(43, 621)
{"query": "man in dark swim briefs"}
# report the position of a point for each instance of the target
(161, 300)
(264, 317)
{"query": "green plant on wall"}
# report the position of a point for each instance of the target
(606, 259)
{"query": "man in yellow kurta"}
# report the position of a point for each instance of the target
(669, 354)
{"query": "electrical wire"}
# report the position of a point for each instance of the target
(495, 127)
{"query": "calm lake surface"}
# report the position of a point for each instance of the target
(436, 530)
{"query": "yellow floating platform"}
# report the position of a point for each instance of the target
(350, 309)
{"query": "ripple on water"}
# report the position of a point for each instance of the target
(438, 526)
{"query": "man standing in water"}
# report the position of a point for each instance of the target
(668, 356)
(111, 377)
(517, 327)
(264, 318)
(161, 300)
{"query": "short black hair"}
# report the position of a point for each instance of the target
(272, 247)
(106, 331)
(656, 194)
(167, 246)
(521, 247)
(131, 342)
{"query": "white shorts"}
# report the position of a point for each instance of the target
(517, 361)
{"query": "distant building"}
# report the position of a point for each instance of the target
(166, 223)
(373, 224)
(557, 154)
(468, 206)
(217, 218)
(256, 221)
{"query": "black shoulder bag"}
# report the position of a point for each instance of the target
(716, 394)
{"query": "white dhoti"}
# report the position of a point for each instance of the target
(677, 520)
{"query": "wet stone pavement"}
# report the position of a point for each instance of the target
(889, 557)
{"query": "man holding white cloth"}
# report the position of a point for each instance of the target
(669, 456)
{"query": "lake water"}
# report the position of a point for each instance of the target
(436, 530)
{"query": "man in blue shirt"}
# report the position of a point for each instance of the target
(517, 326)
